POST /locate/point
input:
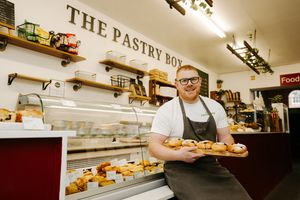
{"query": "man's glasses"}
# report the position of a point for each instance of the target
(193, 80)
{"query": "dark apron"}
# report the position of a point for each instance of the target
(205, 179)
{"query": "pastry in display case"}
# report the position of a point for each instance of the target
(110, 147)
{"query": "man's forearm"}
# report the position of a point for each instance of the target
(161, 152)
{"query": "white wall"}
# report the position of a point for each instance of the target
(241, 81)
(53, 15)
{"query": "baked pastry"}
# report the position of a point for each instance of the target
(7, 116)
(4, 114)
(98, 179)
(237, 148)
(173, 142)
(219, 146)
(101, 166)
(205, 144)
(189, 143)
(28, 113)
(71, 189)
(127, 173)
(145, 162)
(105, 183)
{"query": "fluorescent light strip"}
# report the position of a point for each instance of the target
(99, 110)
(211, 24)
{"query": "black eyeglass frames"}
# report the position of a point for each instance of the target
(185, 81)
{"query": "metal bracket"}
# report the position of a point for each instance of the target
(46, 84)
(66, 61)
(77, 86)
(140, 75)
(11, 78)
(118, 93)
(3, 43)
(131, 100)
(108, 68)
(174, 4)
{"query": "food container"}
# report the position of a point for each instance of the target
(85, 75)
(120, 81)
(139, 64)
(116, 56)
(84, 128)
(59, 125)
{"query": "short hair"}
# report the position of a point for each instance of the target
(186, 67)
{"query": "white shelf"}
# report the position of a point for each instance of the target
(35, 134)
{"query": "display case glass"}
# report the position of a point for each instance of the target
(110, 147)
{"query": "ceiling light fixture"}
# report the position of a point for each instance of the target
(250, 57)
(194, 7)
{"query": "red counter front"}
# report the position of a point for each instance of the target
(269, 161)
(32, 165)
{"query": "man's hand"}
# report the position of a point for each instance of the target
(188, 154)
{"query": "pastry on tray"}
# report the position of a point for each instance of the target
(208, 147)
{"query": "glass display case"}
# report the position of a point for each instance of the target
(109, 151)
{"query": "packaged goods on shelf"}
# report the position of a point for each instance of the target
(158, 74)
(85, 75)
(139, 64)
(116, 56)
(33, 32)
(66, 42)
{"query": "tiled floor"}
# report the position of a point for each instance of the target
(289, 187)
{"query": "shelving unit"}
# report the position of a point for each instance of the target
(79, 82)
(67, 57)
(11, 78)
(156, 98)
(110, 64)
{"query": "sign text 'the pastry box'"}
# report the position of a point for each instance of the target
(99, 27)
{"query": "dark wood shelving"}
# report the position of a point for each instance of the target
(157, 98)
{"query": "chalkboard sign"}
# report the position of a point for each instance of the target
(7, 14)
(204, 84)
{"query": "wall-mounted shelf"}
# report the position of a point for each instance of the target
(111, 64)
(79, 82)
(11, 78)
(138, 98)
(67, 57)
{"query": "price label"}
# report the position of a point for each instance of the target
(111, 175)
(30, 123)
(138, 174)
(92, 185)
(122, 162)
(119, 178)
(147, 172)
(128, 178)
(114, 163)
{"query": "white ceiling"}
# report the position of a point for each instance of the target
(277, 23)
